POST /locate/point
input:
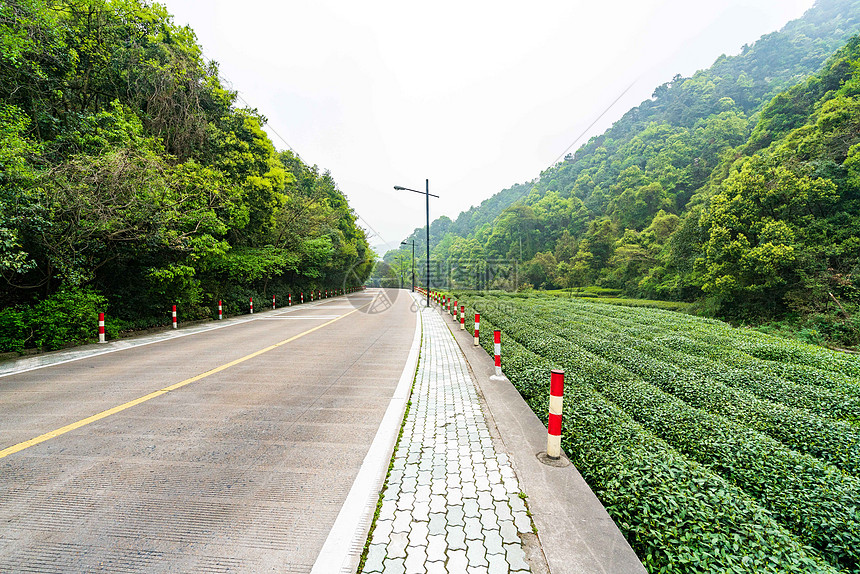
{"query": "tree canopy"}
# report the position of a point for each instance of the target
(128, 171)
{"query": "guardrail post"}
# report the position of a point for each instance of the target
(497, 351)
(556, 392)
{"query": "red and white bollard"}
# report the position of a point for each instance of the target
(497, 351)
(462, 317)
(477, 328)
(102, 328)
(556, 392)
(454, 311)
(289, 299)
(251, 304)
(303, 297)
(220, 310)
(174, 317)
(273, 301)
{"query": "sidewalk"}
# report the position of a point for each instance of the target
(452, 503)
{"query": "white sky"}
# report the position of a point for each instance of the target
(476, 96)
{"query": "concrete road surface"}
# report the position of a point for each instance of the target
(230, 450)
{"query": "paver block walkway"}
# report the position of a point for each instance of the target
(452, 503)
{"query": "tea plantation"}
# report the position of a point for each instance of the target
(714, 449)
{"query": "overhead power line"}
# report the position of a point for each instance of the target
(597, 119)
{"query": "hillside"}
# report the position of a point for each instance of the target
(640, 207)
(130, 180)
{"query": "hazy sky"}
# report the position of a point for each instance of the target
(476, 96)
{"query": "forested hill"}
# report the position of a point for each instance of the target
(130, 180)
(733, 188)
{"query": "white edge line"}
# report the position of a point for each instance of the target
(284, 317)
(342, 549)
(131, 342)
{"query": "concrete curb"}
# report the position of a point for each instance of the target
(576, 533)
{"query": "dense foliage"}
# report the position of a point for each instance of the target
(131, 181)
(736, 188)
(714, 449)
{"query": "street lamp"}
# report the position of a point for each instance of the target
(413, 261)
(401, 269)
(427, 195)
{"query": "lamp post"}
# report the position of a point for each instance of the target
(401, 269)
(427, 196)
(413, 261)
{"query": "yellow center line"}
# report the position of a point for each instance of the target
(112, 411)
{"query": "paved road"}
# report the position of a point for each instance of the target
(242, 470)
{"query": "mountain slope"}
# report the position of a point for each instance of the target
(629, 209)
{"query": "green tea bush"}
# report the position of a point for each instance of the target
(679, 516)
(730, 431)
(736, 367)
(834, 442)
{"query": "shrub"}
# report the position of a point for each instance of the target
(13, 329)
(69, 316)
